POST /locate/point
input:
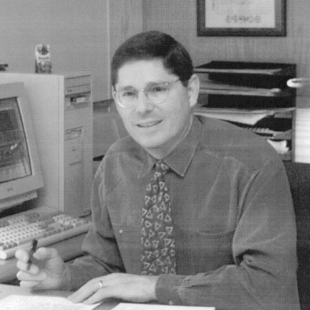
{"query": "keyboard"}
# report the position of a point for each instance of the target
(18, 231)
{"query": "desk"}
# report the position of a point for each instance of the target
(68, 249)
(6, 290)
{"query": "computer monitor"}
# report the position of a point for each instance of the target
(20, 171)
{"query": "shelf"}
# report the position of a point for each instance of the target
(210, 87)
(256, 68)
(251, 95)
(248, 85)
(251, 75)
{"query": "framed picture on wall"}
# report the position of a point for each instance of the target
(241, 18)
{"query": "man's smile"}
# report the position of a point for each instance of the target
(148, 124)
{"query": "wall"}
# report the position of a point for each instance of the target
(178, 18)
(83, 35)
(76, 30)
(125, 21)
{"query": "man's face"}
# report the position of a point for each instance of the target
(158, 128)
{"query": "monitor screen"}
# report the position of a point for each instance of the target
(14, 155)
(20, 174)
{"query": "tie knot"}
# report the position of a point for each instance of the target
(161, 167)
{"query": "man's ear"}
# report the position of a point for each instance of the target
(193, 89)
(113, 92)
(113, 96)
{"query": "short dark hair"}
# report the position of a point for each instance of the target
(154, 45)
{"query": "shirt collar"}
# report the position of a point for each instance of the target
(180, 158)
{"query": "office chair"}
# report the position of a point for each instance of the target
(299, 179)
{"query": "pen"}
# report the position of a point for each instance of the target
(32, 251)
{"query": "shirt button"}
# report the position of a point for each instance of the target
(120, 231)
(170, 302)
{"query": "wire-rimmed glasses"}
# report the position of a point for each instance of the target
(156, 93)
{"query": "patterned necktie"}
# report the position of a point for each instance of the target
(157, 236)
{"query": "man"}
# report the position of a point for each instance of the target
(223, 199)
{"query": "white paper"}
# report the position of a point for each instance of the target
(302, 135)
(17, 302)
(131, 306)
(249, 117)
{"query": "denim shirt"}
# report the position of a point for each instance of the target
(232, 212)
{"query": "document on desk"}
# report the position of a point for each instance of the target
(18, 302)
(132, 306)
(243, 116)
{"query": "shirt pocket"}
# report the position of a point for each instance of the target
(203, 251)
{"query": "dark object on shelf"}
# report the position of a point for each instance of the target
(252, 86)
(246, 85)
(249, 74)
(247, 67)
(246, 102)
(3, 67)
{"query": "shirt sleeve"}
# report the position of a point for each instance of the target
(263, 275)
(102, 254)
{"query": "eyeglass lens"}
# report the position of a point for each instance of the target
(155, 93)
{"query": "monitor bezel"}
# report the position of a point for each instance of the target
(17, 191)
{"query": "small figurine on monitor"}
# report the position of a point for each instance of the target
(43, 59)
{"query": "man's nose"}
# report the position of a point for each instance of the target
(143, 103)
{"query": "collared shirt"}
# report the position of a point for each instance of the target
(232, 212)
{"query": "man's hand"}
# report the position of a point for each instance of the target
(133, 288)
(48, 270)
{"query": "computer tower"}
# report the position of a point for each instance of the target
(62, 115)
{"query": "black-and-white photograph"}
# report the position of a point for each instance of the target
(154, 155)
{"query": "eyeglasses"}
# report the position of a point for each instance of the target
(156, 93)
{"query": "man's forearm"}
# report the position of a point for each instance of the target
(230, 286)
